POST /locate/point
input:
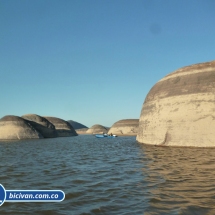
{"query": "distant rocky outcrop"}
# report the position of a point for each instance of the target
(17, 128)
(179, 110)
(76, 125)
(81, 130)
(125, 127)
(63, 128)
(41, 124)
(97, 129)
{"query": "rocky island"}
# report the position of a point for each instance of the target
(179, 110)
(79, 128)
(97, 129)
(127, 127)
(33, 126)
(63, 128)
(76, 125)
(41, 124)
(17, 128)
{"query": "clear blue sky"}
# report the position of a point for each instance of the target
(94, 61)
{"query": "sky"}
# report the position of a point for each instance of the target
(94, 61)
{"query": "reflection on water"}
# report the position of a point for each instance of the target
(109, 176)
(182, 180)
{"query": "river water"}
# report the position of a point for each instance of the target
(109, 176)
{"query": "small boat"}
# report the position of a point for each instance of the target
(100, 135)
(111, 136)
(105, 135)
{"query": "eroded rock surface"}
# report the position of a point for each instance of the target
(17, 128)
(180, 109)
(63, 128)
(125, 127)
(41, 124)
(97, 129)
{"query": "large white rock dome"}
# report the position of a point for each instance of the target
(179, 110)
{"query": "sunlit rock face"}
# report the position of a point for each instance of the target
(81, 130)
(63, 128)
(16, 128)
(180, 109)
(97, 129)
(125, 127)
(46, 128)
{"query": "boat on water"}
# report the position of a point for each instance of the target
(105, 135)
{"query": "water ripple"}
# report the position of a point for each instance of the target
(109, 176)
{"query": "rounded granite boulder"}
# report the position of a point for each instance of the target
(16, 128)
(125, 127)
(46, 128)
(180, 109)
(63, 128)
(97, 129)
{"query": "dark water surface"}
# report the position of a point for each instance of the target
(109, 176)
